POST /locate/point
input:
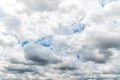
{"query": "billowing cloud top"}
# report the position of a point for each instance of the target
(59, 39)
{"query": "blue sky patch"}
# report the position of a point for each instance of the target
(78, 56)
(24, 43)
(79, 29)
(45, 41)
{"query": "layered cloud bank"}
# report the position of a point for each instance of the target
(59, 40)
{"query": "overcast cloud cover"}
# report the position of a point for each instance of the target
(59, 39)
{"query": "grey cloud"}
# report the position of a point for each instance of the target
(2, 13)
(14, 60)
(106, 53)
(68, 65)
(112, 8)
(12, 22)
(93, 78)
(41, 5)
(49, 79)
(69, 68)
(101, 56)
(97, 47)
(40, 54)
(19, 70)
(105, 43)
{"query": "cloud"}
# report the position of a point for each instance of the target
(7, 40)
(42, 55)
(2, 14)
(12, 22)
(112, 9)
(67, 67)
(18, 69)
(103, 3)
(39, 5)
(59, 40)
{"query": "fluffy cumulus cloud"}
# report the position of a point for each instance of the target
(59, 40)
(41, 54)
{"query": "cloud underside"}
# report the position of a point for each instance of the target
(59, 40)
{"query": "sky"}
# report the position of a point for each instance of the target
(59, 39)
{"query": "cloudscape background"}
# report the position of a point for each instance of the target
(59, 39)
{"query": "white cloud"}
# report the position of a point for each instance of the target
(72, 53)
(7, 40)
